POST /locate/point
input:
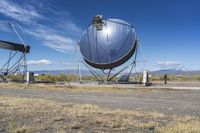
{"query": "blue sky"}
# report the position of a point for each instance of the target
(169, 30)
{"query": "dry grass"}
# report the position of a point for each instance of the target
(20, 115)
(186, 124)
(74, 88)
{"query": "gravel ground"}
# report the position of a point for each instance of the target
(172, 102)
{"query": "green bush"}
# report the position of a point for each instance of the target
(15, 77)
(47, 77)
(61, 77)
(198, 78)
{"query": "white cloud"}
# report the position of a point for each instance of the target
(70, 63)
(65, 23)
(58, 32)
(39, 62)
(170, 65)
(17, 12)
(51, 39)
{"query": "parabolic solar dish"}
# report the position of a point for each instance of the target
(108, 43)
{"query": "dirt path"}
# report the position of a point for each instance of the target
(181, 102)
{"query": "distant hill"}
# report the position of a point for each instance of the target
(57, 72)
(175, 72)
(87, 72)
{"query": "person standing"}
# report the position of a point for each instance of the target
(165, 78)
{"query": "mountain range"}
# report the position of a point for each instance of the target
(87, 72)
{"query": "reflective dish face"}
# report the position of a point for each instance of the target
(109, 47)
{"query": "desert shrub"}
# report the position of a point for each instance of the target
(61, 77)
(155, 78)
(47, 77)
(71, 77)
(89, 78)
(198, 78)
(16, 77)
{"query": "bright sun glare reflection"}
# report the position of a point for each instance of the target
(107, 31)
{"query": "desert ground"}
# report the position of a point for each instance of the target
(99, 108)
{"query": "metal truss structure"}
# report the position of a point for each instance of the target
(16, 63)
